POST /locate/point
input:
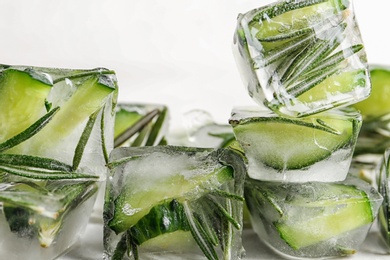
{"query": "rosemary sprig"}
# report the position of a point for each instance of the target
(84, 139)
(34, 162)
(30, 173)
(199, 234)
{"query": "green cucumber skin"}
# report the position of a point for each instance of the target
(164, 218)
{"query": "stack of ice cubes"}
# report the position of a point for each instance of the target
(304, 63)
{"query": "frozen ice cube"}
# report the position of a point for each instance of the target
(312, 219)
(201, 130)
(56, 130)
(174, 201)
(302, 57)
(313, 148)
(43, 222)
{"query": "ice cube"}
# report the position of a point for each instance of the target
(57, 131)
(174, 201)
(201, 130)
(313, 148)
(313, 219)
(302, 57)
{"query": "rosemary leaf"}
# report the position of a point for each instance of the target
(43, 175)
(34, 162)
(156, 128)
(78, 154)
(227, 195)
(102, 136)
(199, 235)
(223, 212)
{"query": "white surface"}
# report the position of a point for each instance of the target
(91, 248)
(174, 52)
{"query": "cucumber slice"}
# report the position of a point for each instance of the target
(313, 219)
(22, 100)
(334, 85)
(377, 103)
(272, 140)
(167, 217)
(124, 119)
(330, 222)
(131, 206)
(88, 98)
(290, 20)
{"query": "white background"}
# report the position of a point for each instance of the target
(174, 52)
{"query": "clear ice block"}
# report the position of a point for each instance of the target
(313, 219)
(169, 202)
(56, 130)
(302, 57)
(384, 190)
(201, 130)
(139, 124)
(313, 148)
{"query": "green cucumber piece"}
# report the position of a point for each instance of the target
(292, 19)
(22, 99)
(276, 139)
(183, 189)
(312, 217)
(341, 83)
(167, 217)
(89, 97)
(124, 119)
(377, 103)
(351, 211)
